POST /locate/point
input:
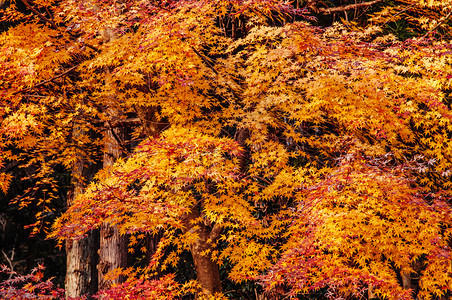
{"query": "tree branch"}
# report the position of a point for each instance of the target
(125, 122)
(438, 25)
(9, 260)
(332, 10)
(46, 81)
(215, 232)
(116, 137)
(36, 12)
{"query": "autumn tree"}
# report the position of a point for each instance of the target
(45, 129)
(302, 158)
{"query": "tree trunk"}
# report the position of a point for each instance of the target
(370, 293)
(151, 126)
(112, 254)
(113, 246)
(81, 277)
(406, 281)
(207, 272)
(81, 256)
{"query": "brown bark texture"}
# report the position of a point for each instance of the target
(81, 256)
(113, 246)
(112, 254)
(207, 272)
(80, 267)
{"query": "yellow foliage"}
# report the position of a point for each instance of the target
(269, 141)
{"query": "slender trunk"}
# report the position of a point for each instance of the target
(81, 256)
(207, 272)
(151, 128)
(408, 282)
(241, 136)
(113, 246)
(113, 249)
(370, 293)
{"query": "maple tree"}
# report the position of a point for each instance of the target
(30, 286)
(297, 157)
(364, 238)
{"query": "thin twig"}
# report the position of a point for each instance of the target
(438, 25)
(263, 179)
(9, 260)
(36, 96)
(332, 10)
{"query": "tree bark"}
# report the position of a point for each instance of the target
(112, 254)
(81, 277)
(113, 246)
(207, 271)
(81, 256)
(406, 281)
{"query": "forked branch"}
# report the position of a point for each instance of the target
(40, 15)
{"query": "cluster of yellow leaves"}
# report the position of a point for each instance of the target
(446, 4)
(420, 16)
(158, 184)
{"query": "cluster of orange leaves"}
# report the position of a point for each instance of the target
(341, 182)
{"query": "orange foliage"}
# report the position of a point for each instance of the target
(316, 158)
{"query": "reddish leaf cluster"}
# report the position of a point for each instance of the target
(30, 286)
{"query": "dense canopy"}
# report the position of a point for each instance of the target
(278, 148)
